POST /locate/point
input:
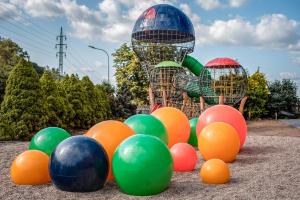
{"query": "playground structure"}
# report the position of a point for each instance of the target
(162, 38)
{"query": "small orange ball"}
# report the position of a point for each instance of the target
(30, 168)
(215, 171)
(176, 123)
(110, 134)
(219, 140)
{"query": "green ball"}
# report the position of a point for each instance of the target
(193, 135)
(148, 125)
(142, 165)
(47, 139)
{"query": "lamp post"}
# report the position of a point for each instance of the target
(107, 59)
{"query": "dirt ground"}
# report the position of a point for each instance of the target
(268, 167)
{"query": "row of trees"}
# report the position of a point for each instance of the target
(31, 103)
(266, 99)
(33, 97)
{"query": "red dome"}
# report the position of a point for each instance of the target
(223, 63)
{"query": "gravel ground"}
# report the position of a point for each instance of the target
(268, 167)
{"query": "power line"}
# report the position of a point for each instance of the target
(28, 38)
(43, 40)
(36, 26)
(33, 46)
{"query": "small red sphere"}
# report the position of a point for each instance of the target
(184, 157)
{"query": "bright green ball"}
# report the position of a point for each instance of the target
(47, 139)
(148, 125)
(142, 165)
(193, 135)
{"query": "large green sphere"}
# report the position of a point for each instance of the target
(47, 139)
(142, 165)
(148, 125)
(193, 136)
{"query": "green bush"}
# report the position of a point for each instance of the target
(22, 108)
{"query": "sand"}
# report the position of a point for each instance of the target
(268, 167)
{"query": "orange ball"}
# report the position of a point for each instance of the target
(219, 140)
(30, 168)
(176, 123)
(215, 171)
(110, 134)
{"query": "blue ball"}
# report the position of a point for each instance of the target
(79, 164)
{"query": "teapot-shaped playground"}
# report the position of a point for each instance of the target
(163, 37)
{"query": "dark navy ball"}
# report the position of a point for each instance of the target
(79, 164)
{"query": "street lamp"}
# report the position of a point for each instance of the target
(107, 59)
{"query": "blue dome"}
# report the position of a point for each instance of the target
(163, 23)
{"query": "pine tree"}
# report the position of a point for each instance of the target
(68, 115)
(55, 105)
(283, 96)
(124, 107)
(103, 104)
(22, 107)
(77, 97)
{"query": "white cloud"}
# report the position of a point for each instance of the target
(289, 75)
(271, 31)
(209, 4)
(112, 20)
(8, 10)
(40, 8)
(100, 64)
(237, 3)
(87, 69)
(215, 4)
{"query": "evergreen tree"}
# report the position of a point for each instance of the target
(103, 103)
(77, 97)
(55, 105)
(22, 108)
(258, 92)
(283, 96)
(92, 98)
(97, 101)
(109, 90)
(129, 72)
(124, 108)
(10, 55)
(68, 115)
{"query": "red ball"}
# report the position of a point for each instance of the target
(227, 114)
(184, 157)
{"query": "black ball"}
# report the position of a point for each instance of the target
(79, 164)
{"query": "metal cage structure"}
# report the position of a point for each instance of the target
(223, 77)
(162, 33)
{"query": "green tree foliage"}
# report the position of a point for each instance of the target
(10, 55)
(283, 96)
(22, 109)
(109, 90)
(97, 102)
(123, 107)
(77, 96)
(129, 72)
(56, 105)
(258, 92)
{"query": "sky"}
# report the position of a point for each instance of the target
(258, 33)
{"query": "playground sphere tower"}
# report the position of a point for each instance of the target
(162, 36)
